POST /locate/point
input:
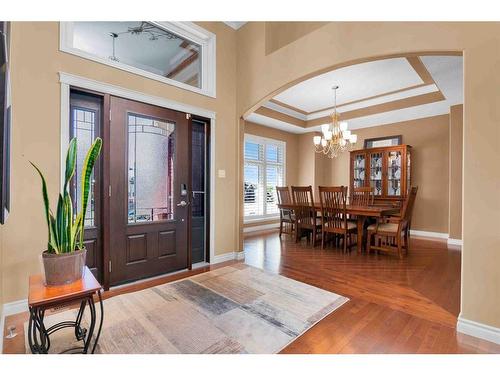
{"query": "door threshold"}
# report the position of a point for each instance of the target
(152, 278)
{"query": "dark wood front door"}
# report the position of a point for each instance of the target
(149, 190)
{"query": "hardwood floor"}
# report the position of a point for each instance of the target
(396, 306)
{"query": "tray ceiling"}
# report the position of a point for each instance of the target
(370, 94)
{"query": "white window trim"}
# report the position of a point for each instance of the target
(187, 30)
(262, 140)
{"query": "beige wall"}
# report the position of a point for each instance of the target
(313, 167)
(261, 75)
(279, 34)
(307, 161)
(36, 61)
(456, 154)
(430, 157)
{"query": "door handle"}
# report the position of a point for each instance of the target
(182, 204)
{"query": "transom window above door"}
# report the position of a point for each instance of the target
(177, 53)
(264, 169)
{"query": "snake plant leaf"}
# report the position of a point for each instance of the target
(50, 243)
(53, 234)
(68, 206)
(60, 222)
(53, 243)
(75, 230)
(88, 166)
(70, 163)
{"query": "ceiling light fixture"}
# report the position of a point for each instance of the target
(335, 137)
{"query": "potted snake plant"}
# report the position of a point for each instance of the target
(64, 260)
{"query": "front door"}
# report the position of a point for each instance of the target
(149, 190)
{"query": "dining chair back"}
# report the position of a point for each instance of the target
(408, 205)
(305, 212)
(287, 215)
(284, 196)
(333, 201)
(362, 196)
(303, 195)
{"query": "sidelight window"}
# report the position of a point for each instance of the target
(85, 117)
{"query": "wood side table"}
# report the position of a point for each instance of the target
(42, 297)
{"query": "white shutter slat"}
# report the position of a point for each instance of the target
(263, 170)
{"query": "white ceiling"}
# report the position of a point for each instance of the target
(447, 72)
(355, 82)
(371, 79)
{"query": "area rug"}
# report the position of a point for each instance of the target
(233, 309)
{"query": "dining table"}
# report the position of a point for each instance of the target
(360, 212)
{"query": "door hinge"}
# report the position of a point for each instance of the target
(188, 116)
(109, 266)
(110, 115)
(109, 191)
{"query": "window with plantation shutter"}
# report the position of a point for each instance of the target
(264, 169)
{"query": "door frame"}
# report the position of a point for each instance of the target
(68, 81)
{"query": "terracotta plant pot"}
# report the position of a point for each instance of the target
(61, 269)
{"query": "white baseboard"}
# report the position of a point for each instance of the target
(258, 228)
(235, 255)
(423, 233)
(443, 236)
(479, 330)
(15, 307)
(11, 308)
(454, 241)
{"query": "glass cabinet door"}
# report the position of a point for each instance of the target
(376, 172)
(359, 175)
(394, 173)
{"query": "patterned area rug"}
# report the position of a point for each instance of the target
(234, 309)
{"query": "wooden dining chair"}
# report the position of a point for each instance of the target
(306, 220)
(361, 196)
(394, 234)
(333, 202)
(287, 215)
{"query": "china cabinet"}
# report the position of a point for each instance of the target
(386, 169)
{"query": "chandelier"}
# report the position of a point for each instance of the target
(335, 137)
